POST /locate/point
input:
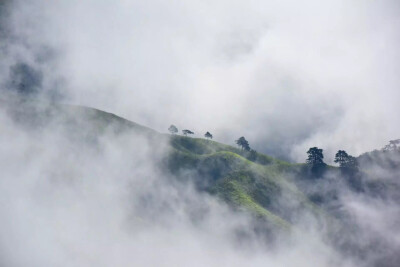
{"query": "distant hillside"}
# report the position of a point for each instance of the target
(276, 194)
(258, 186)
(272, 190)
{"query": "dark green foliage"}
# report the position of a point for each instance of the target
(172, 129)
(318, 170)
(208, 135)
(186, 132)
(351, 163)
(316, 161)
(345, 160)
(341, 157)
(315, 156)
(242, 142)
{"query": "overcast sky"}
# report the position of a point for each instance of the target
(287, 75)
(284, 74)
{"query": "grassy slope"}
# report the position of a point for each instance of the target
(253, 186)
(222, 170)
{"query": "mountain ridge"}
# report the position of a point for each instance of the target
(222, 170)
(270, 189)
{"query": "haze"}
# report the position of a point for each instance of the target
(286, 74)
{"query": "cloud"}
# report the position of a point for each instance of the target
(77, 199)
(289, 75)
(99, 196)
(286, 75)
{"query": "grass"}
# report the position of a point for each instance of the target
(225, 171)
(233, 192)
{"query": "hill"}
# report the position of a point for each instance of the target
(256, 183)
(279, 196)
(275, 192)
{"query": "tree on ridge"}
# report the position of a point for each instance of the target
(242, 142)
(208, 135)
(172, 129)
(345, 160)
(315, 156)
(186, 132)
(341, 158)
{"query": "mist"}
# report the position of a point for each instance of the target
(73, 200)
(287, 75)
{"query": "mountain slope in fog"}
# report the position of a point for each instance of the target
(254, 183)
(280, 196)
(272, 190)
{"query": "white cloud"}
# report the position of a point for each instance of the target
(288, 74)
(285, 74)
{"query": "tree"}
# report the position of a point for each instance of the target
(393, 145)
(208, 135)
(242, 142)
(186, 132)
(351, 163)
(345, 160)
(315, 156)
(172, 129)
(341, 157)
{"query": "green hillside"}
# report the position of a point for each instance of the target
(225, 171)
(259, 186)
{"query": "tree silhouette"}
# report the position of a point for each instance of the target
(186, 132)
(345, 160)
(208, 135)
(393, 145)
(172, 129)
(341, 157)
(316, 161)
(315, 156)
(351, 163)
(242, 142)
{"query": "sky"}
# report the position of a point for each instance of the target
(287, 75)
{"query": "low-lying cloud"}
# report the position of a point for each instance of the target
(73, 200)
(286, 74)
